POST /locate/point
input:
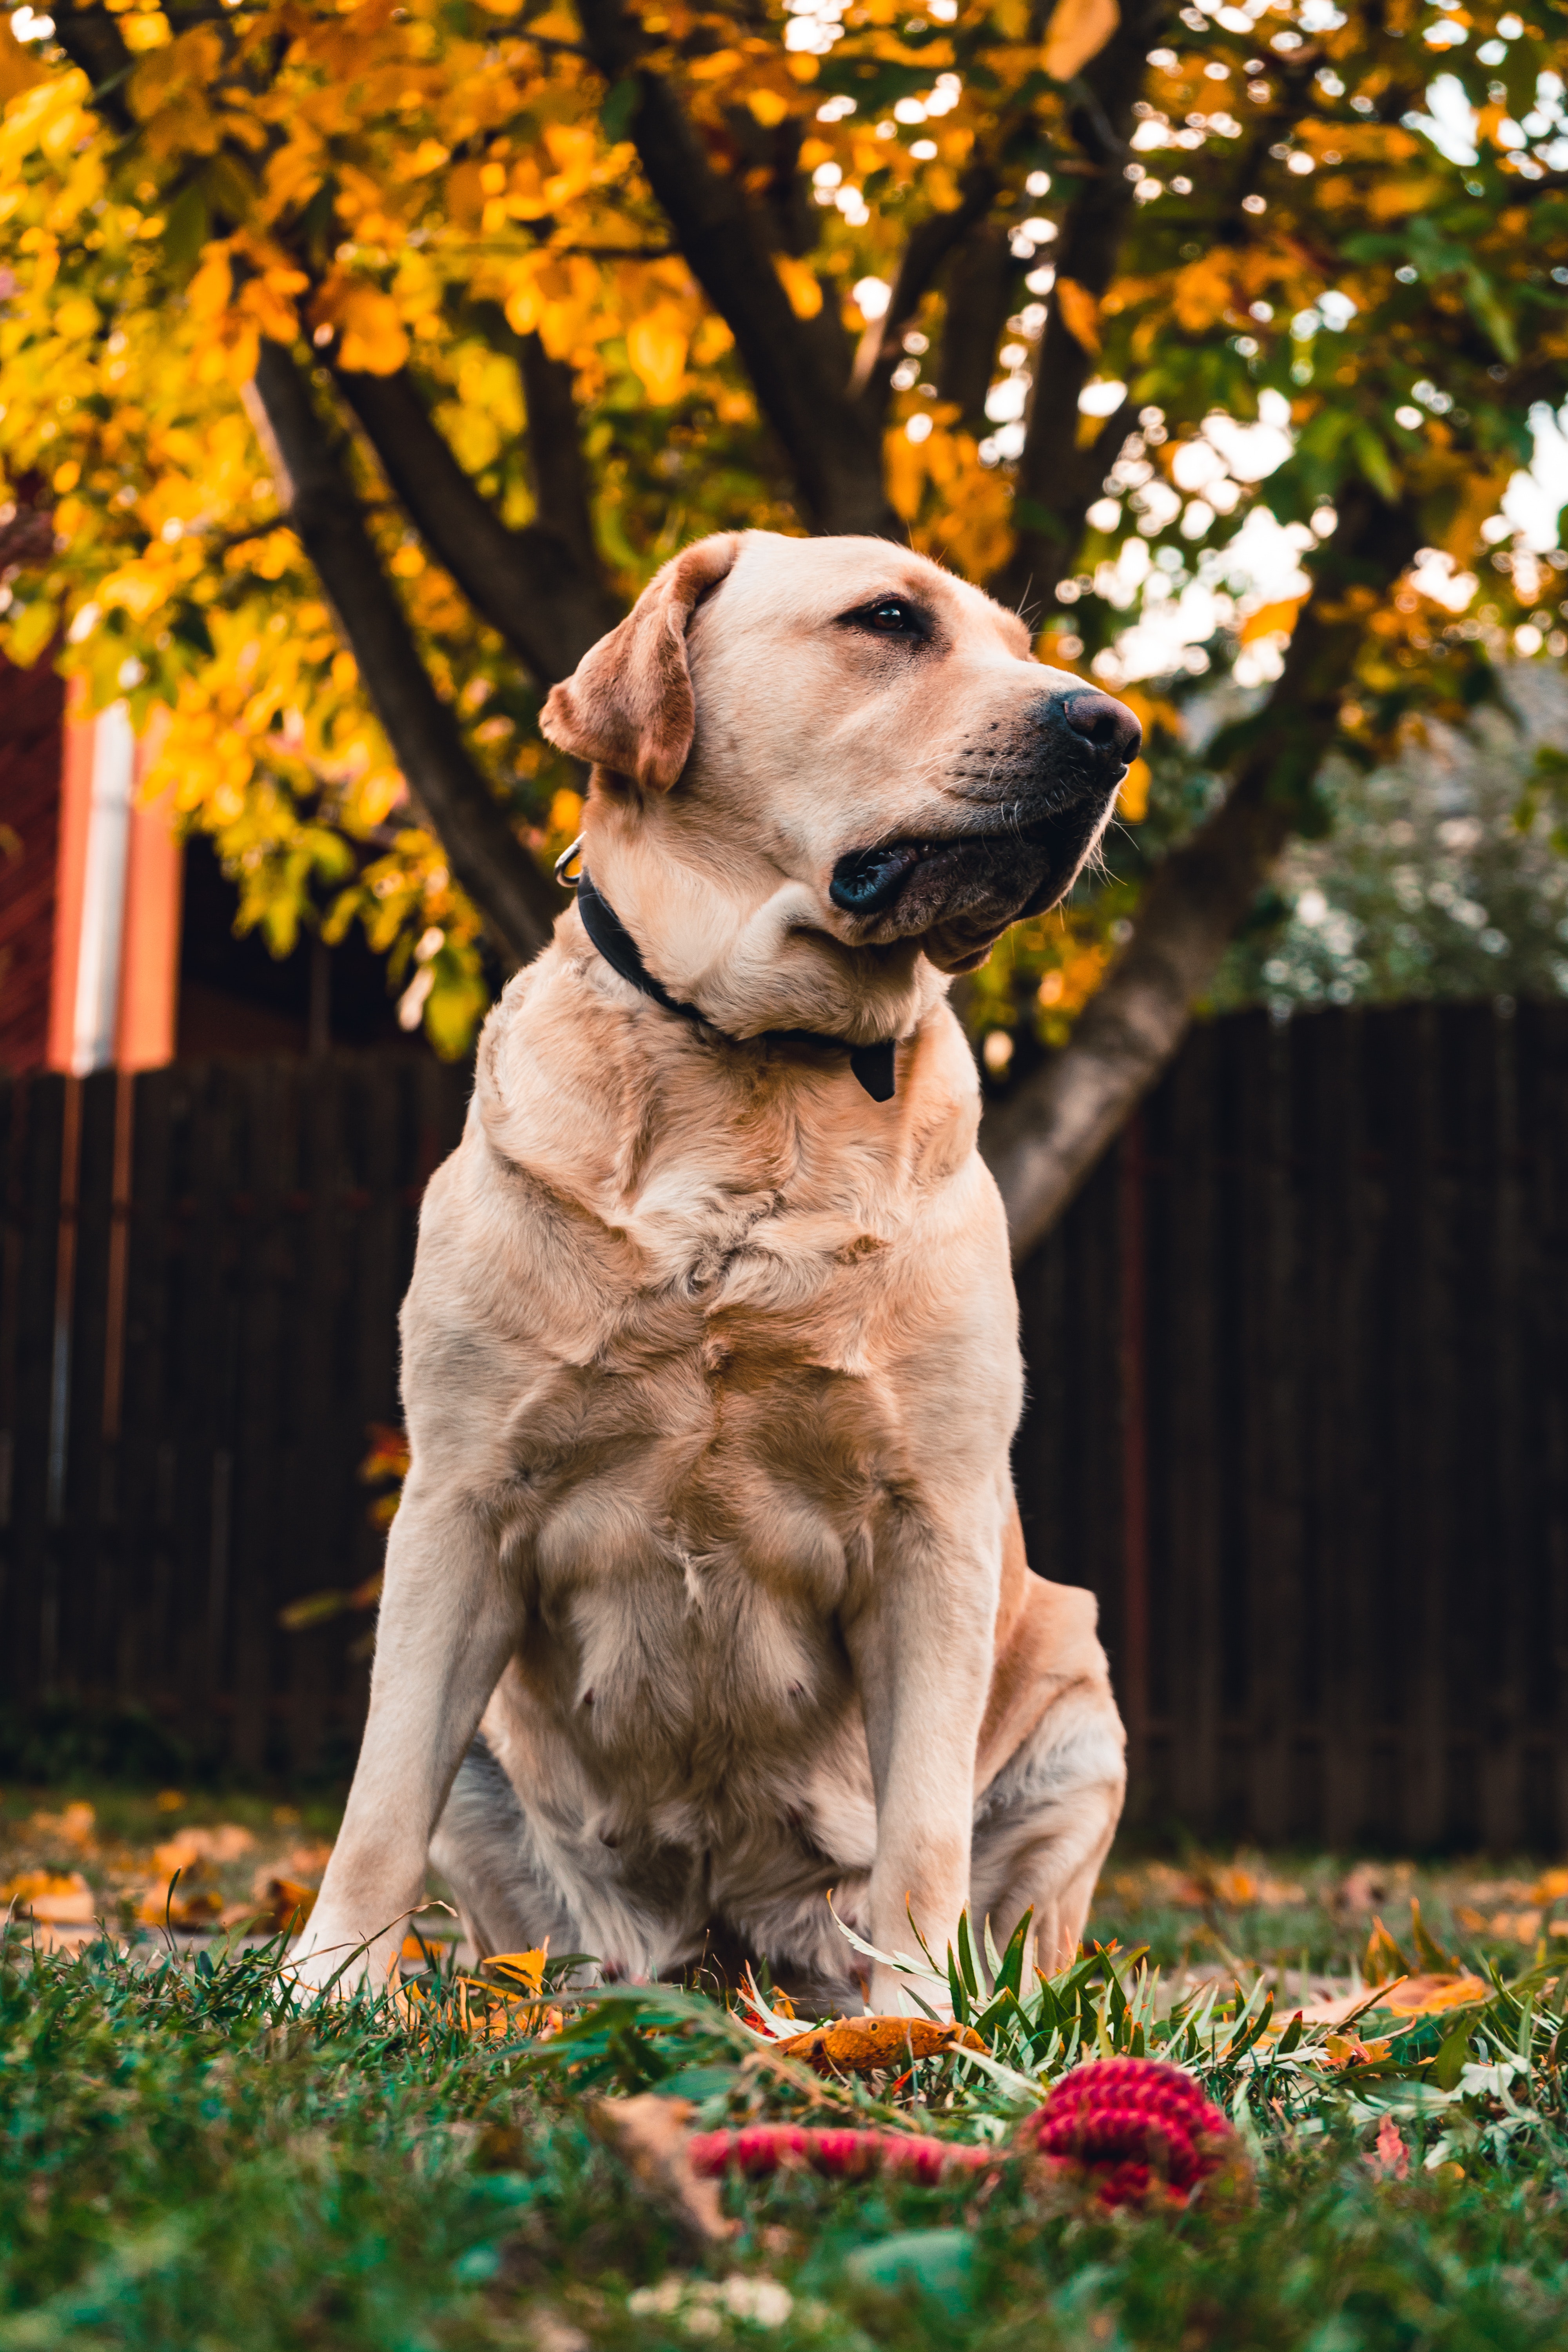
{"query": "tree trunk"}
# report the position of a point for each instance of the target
(1044, 1141)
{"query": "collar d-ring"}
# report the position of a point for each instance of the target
(569, 881)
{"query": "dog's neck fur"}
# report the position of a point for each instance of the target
(731, 934)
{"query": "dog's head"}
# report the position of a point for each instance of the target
(842, 719)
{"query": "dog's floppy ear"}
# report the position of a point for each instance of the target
(628, 704)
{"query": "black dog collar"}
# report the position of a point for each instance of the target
(872, 1065)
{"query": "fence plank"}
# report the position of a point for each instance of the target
(35, 1155)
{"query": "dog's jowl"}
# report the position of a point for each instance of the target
(707, 1597)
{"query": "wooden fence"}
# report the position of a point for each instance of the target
(1299, 1363)
(200, 1272)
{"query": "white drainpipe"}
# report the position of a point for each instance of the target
(103, 891)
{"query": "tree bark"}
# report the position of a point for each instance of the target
(1044, 1141)
(834, 448)
(532, 585)
(321, 508)
(1055, 486)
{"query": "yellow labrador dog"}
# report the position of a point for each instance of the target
(707, 1596)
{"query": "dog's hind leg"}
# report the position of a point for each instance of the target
(482, 1849)
(1044, 1823)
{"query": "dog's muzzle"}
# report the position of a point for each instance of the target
(1039, 799)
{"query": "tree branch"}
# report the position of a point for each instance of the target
(1049, 509)
(321, 508)
(1043, 1141)
(561, 495)
(91, 38)
(540, 586)
(979, 294)
(928, 248)
(834, 448)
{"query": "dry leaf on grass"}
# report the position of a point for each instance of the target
(649, 2134)
(865, 2045)
(226, 1843)
(285, 1904)
(74, 1824)
(1429, 1996)
(175, 1902)
(64, 1901)
(524, 1969)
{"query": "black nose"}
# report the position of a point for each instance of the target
(1109, 726)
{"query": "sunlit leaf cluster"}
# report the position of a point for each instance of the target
(1304, 297)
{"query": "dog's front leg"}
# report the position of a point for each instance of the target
(921, 1649)
(448, 1622)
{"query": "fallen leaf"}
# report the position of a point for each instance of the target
(1429, 1996)
(527, 1968)
(1390, 2158)
(226, 1843)
(286, 1905)
(1550, 1888)
(74, 1824)
(863, 2045)
(1362, 1889)
(166, 1902)
(76, 1908)
(649, 2134)
(1383, 1958)
(28, 1886)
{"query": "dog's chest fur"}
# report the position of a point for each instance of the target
(686, 1355)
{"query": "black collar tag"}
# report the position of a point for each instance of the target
(872, 1065)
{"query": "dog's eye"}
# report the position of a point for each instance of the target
(889, 616)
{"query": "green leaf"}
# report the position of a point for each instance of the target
(1489, 313)
(935, 2262)
(31, 628)
(186, 229)
(966, 1957)
(620, 105)
(1373, 460)
(1010, 1975)
(1449, 2062)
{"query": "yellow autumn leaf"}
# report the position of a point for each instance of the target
(1382, 1959)
(800, 283)
(1268, 619)
(525, 1968)
(863, 2045)
(373, 339)
(904, 466)
(656, 346)
(1080, 313)
(766, 107)
(1203, 290)
(1429, 1996)
(1078, 31)
(19, 70)
(1392, 199)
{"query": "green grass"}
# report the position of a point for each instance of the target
(184, 2162)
